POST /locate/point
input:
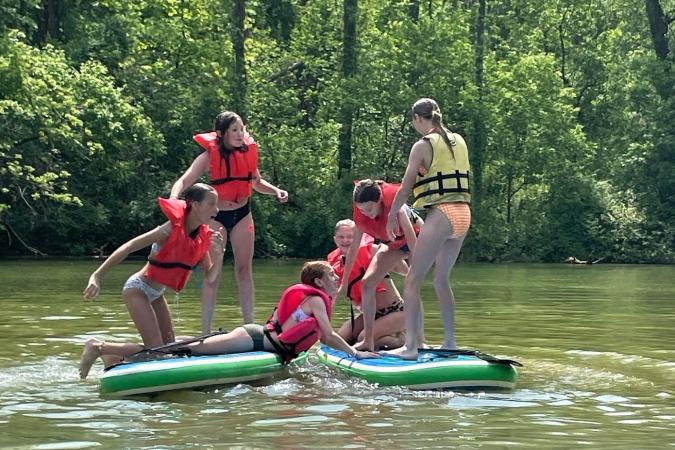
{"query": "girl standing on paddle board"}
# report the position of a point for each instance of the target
(372, 204)
(438, 177)
(301, 318)
(185, 241)
(231, 157)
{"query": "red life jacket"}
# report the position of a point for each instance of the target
(363, 259)
(302, 335)
(232, 177)
(180, 253)
(377, 227)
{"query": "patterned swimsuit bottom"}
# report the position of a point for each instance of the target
(459, 216)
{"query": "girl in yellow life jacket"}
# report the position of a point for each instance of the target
(438, 176)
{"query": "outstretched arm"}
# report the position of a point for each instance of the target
(418, 154)
(265, 187)
(159, 234)
(211, 264)
(328, 335)
(196, 169)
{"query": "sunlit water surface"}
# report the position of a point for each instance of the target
(597, 344)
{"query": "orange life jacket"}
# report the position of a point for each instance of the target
(363, 259)
(377, 227)
(302, 335)
(232, 177)
(172, 265)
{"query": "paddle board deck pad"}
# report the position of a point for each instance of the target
(190, 372)
(432, 369)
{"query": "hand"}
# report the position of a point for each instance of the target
(93, 288)
(392, 224)
(217, 242)
(342, 291)
(282, 196)
(361, 345)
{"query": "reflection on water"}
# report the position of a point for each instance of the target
(596, 344)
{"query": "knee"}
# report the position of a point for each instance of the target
(243, 269)
(441, 281)
(413, 281)
(369, 284)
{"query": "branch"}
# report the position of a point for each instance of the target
(298, 65)
(32, 249)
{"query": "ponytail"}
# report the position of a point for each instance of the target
(428, 109)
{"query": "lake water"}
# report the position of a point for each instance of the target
(597, 344)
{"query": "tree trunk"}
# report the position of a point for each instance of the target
(414, 10)
(238, 44)
(349, 64)
(49, 21)
(480, 133)
(659, 28)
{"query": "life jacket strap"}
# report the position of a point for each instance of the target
(170, 265)
(286, 354)
(224, 180)
(440, 188)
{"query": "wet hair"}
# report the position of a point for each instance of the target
(344, 223)
(197, 193)
(312, 270)
(222, 123)
(367, 191)
(428, 109)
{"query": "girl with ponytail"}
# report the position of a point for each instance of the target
(438, 177)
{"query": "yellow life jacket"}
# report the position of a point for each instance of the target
(447, 180)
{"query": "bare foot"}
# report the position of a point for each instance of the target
(450, 345)
(361, 345)
(403, 353)
(92, 350)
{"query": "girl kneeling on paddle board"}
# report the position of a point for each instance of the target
(185, 241)
(389, 325)
(301, 318)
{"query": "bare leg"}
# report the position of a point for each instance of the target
(347, 333)
(143, 315)
(236, 341)
(95, 348)
(434, 232)
(383, 261)
(91, 351)
(163, 314)
(210, 289)
(391, 341)
(242, 238)
(444, 264)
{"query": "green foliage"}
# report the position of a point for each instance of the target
(99, 106)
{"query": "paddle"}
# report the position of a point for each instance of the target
(476, 353)
(168, 349)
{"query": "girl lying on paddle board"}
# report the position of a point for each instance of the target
(301, 318)
(184, 242)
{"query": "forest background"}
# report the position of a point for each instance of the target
(567, 106)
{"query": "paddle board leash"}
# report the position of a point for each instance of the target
(446, 352)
